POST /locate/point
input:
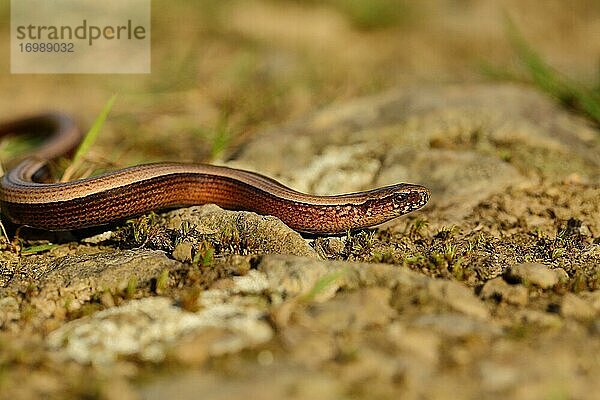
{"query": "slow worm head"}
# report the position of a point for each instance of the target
(132, 191)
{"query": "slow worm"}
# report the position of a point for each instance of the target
(110, 197)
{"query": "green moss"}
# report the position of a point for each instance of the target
(162, 282)
(132, 285)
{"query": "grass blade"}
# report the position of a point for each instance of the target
(88, 140)
(322, 285)
(38, 249)
(568, 92)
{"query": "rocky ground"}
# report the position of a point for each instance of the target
(490, 291)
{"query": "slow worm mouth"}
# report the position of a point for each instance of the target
(136, 190)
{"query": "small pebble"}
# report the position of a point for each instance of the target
(573, 306)
(335, 245)
(513, 294)
(183, 252)
(535, 274)
(540, 318)
(592, 298)
(329, 247)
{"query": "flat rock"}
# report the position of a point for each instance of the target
(74, 279)
(110, 269)
(291, 277)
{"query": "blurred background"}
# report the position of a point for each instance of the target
(223, 70)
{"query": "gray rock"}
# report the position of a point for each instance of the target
(293, 276)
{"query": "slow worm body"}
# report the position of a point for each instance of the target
(132, 191)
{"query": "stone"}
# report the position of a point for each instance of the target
(111, 269)
(354, 311)
(290, 276)
(68, 282)
(496, 377)
(535, 274)
(497, 288)
(150, 327)
(458, 297)
(420, 342)
(183, 252)
(573, 306)
(255, 233)
(456, 325)
(433, 135)
(540, 318)
(9, 311)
